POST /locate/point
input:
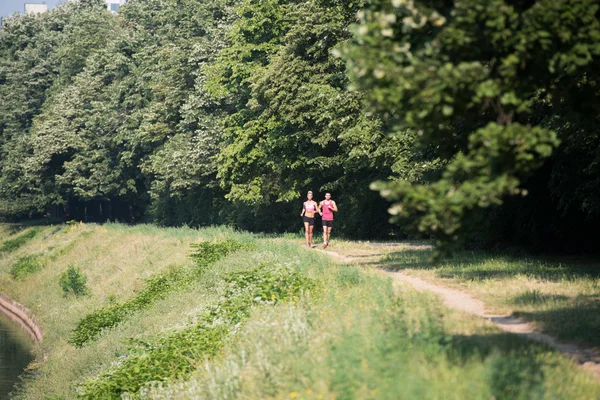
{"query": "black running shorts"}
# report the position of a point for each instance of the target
(328, 224)
(311, 221)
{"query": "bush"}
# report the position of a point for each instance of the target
(25, 266)
(73, 280)
(176, 355)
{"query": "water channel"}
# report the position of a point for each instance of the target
(15, 355)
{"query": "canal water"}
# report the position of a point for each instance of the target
(15, 355)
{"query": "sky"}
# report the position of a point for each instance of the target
(8, 7)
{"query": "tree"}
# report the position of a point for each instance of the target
(471, 78)
(39, 56)
(294, 126)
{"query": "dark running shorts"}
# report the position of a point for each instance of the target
(311, 221)
(328, 224)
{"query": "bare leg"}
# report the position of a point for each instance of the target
(310, 234)
(306, 232)
(324, 234)
(328, 234)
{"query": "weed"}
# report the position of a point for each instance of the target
(73, 280)
(176, 356)
(350, 276)
(171, 357)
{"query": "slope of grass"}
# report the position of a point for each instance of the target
(275, 321)
(26, 265)
(13, 244)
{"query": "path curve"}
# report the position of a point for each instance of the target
(588, 359)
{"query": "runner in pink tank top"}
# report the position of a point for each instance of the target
(328, 207)
(309, 208)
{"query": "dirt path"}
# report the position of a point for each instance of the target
(588, 359)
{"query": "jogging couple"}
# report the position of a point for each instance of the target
(325, 208)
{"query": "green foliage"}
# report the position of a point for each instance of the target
(469, 79)
(295, 125)
(26, 265)
(157, 287)
(172, 357)
(73, 281)
(237, 105)
(14, 244)
(175, 104)
(477, 179)
(39, 57)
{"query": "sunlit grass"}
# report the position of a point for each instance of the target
(360, 341)
(561, 295)
(355, 335)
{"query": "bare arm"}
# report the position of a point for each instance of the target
(334, 208)
(303, 210)
(318, 206)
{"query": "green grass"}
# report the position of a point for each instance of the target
(275, 321)
(13, 244)
(365, 340)
(157, 287)
(562, 296)
(27, 265)
(177, 355)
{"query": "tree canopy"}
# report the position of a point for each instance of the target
(478, 120)
(493, 88)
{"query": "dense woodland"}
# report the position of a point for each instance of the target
(477, 121)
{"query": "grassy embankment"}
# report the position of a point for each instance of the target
(560, 294)
(250, 317)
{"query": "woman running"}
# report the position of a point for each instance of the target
(308, 216)
(328, 207)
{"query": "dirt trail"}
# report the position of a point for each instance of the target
(588, 359)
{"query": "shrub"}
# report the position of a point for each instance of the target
(73, 280)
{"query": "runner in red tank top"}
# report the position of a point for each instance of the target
(328, 207)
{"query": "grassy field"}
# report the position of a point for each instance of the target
(561, 295)
(265, 319)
